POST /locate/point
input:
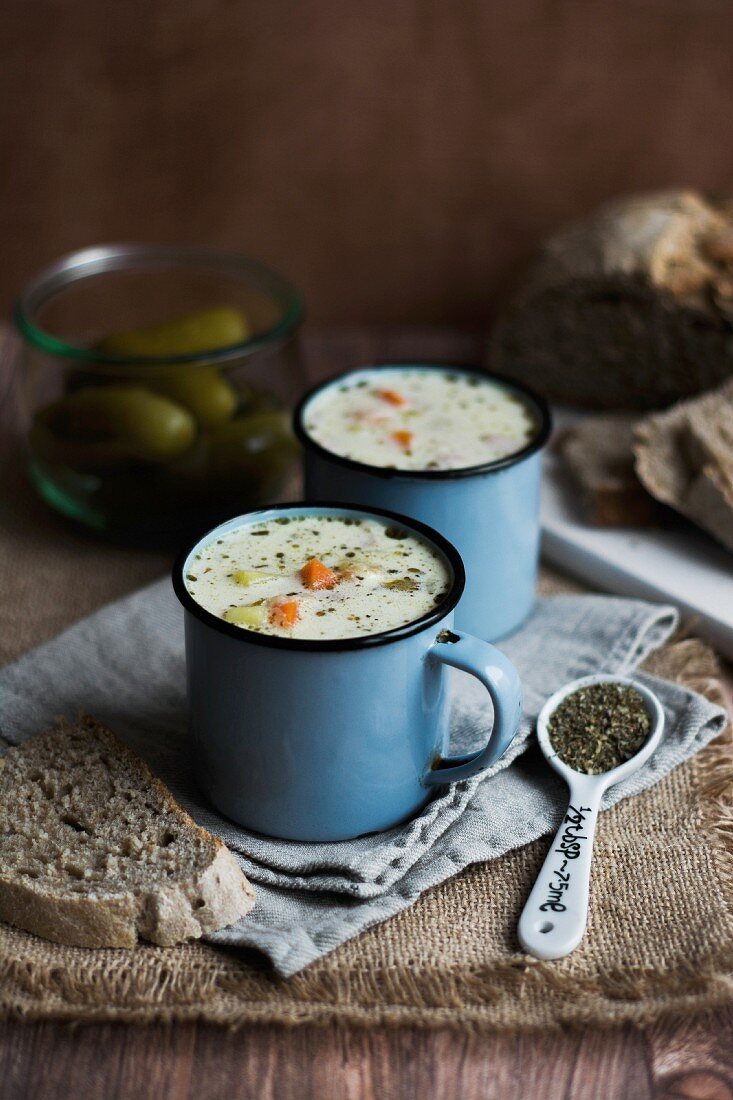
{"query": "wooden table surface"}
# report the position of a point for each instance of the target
(691, 1059)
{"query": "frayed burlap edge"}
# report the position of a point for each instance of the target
(200, 983)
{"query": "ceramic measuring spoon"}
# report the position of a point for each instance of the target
(554, 918)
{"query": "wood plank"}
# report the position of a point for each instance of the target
(198, 1062)
(693, 1058)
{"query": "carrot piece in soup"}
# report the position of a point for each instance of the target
(285, 615)
(392, 397)
(315, 574)
(403, 439)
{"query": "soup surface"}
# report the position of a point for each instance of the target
(318, 577)
(415, 419)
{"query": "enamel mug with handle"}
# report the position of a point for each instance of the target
(327, 740)
(491, 512)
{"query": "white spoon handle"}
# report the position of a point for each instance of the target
(553, 920)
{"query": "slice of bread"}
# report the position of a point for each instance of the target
(598, 454)
(96, 852)
(684, 456)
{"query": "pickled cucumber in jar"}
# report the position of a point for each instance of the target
(99, 427)
(251, 455)
(192, 334)
(209, 397)
(258, 448)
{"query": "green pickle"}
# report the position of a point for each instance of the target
(202, 390)
(251, 454)
(257, 448)
(99, 427)
(195, 333)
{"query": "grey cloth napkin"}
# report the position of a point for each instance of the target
(125, 665)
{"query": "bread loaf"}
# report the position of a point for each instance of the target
(96, 852)
(684, 457)
(598, 454)
(630, 308)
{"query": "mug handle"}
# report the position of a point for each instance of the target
(501, 680)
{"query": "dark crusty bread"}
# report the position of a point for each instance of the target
(684, 457)
(598, 453)
(630, 308)
(97, 853)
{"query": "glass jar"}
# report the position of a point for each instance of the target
(155, 387)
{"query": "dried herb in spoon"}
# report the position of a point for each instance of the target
(599, 727)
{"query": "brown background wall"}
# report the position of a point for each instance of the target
(398, 158)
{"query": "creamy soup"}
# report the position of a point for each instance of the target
(320, 577)
(413, 419)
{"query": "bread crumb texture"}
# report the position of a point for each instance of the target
(97, 853)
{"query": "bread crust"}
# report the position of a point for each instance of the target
(684, 457)
(598, 454)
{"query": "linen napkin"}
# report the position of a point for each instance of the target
(125, 665)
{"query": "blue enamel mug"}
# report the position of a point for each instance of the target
(490, 512)
(327, 740)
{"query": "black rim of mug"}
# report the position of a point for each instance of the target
(275, 641)
(535, 444)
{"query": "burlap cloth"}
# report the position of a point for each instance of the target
(659, 940)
